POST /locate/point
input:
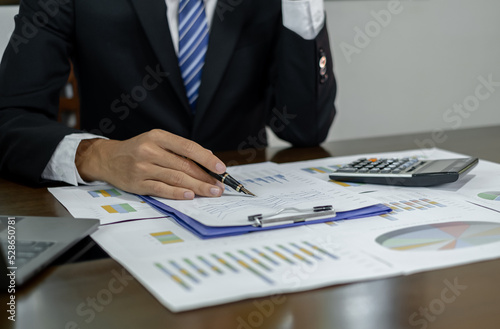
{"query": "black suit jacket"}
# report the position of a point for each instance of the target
(256, 72)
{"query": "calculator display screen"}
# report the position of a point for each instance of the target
(438, 166)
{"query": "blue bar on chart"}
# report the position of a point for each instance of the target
(210, 265)
(184, 271)
(174, 277)
(321, 250)
(255, 260)
(305, 251)
(266, 180)
(195, 267)
(249, 268)
(225, 263)
(265, 256)
(299, 257)
(280, 255)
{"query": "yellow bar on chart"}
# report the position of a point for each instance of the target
(109, 209)
(105, 193)
(340, 183)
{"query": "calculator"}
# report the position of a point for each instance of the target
(404, 171)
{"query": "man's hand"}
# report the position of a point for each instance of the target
(155, 163)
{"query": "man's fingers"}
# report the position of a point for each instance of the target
(171, 160)
(190, 150)
(180, 179)
(162, 190)
(161, 164)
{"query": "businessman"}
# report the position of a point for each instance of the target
(162, 83)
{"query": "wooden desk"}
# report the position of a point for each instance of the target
(100, 294)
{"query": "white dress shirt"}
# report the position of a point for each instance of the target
(304, 17)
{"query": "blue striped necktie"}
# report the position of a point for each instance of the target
(193, 43)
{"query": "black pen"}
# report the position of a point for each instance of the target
(228, 180)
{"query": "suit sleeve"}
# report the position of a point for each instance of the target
(34, 69)
(304, 89)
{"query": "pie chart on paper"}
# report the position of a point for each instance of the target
(444, 236)
(495, 196)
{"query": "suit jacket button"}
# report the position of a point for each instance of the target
(322, 62)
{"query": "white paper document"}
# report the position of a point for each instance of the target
(429, 228)
(276, 189)
(185, 273)
(482, 187)
(105, 202)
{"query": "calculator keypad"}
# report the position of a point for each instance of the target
(381, 166)
(403, 171)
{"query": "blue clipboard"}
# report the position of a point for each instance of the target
(207, 232)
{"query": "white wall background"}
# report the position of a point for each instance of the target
(413, 70)
(428, 58)
(6, 24)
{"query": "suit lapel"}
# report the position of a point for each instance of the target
(153, 17)
(226, 26)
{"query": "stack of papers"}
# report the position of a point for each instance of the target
(288, 191)
(105, 202)
(428, 228)
(184, 272)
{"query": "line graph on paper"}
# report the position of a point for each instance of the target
(227, 208)
(275, 190)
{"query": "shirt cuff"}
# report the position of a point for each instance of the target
(304, 17)
(61, 166)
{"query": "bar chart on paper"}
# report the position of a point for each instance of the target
(104, 193)
(166, 237)
(188, 278)
(322, 170)
(328, 170)
(255, 262)
(417, 204)
(123, 208)
(268, 176)
(266, 180)
(105, 202)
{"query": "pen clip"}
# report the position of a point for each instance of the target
(297, 216)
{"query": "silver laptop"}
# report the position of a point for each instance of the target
(28, 244)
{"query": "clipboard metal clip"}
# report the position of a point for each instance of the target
(283, 216)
